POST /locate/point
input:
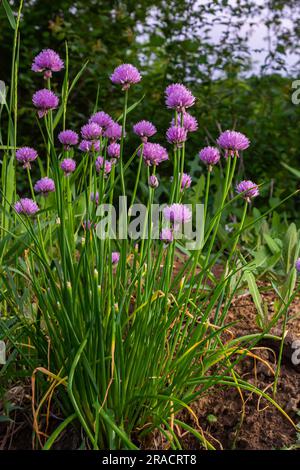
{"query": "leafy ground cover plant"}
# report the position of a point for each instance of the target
(103, 324)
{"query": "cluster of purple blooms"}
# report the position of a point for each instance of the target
(233, 142)
(176, 214)
(26, 155)
(125, 75)
(153, 154)
(47, 61)
(101, 163)
(144, 129)
(26, 206)
(102, 126)
(44, 186)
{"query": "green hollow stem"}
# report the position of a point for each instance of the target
(206, 196)
(30, 184)
(122, 142)
(137, 176)
(215, 226)
(284, 326)
(242, 223)
(192, 270)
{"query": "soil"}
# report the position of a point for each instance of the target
(259, 425)
(223, 419)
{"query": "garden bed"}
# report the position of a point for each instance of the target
(220, 412)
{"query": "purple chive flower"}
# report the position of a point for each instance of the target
(210, 156)
(99, 163)
(189, 122)
(113, 150)
(153, 182)
(177, 213)
(113, 132)
(44, 100)
(45, 186)
(233, 142)
(68, 138)
(125, 75)
(47, 61)
(176, 135)
(89, 146)
(91, 131)
(26, 206)
(179, 97)
(101, 118)
(95, 197)
(26, 155)
(144, 129)
(166, 236)
(249, 189)
(68, 165)
(153, 154)
(115, 256)
(297, 265)
(186, 181)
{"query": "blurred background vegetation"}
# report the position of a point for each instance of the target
(206, 44)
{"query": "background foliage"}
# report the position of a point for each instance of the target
(176, 41)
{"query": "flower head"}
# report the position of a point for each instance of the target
(179, 97)
(26, 155)
(68, 138)
(91, 131)
(176, 135)
(44, 100)
(68, 165)
(45, 186)
(298, 265)
(101, 118)
(153, 182)
(210, 156)
(115, 256)
(186, 181)
(113, 150)
(89, 146)
(125, 75)
(26, 206)
(144, 129)
(233, 142)
(47, 61)
(153, 154)
(113, 132)
(189, 122)
(177, 213)
(249, 189)
(99, 163)
(166, 236)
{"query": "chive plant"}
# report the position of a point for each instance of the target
(124, 341)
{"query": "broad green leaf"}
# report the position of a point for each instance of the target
(272, 245)
(290, 247)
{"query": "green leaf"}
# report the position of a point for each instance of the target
(272, 245)
(290, 247)
(292, 170)
(131, 108)
(255, 294)
(10, 15)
